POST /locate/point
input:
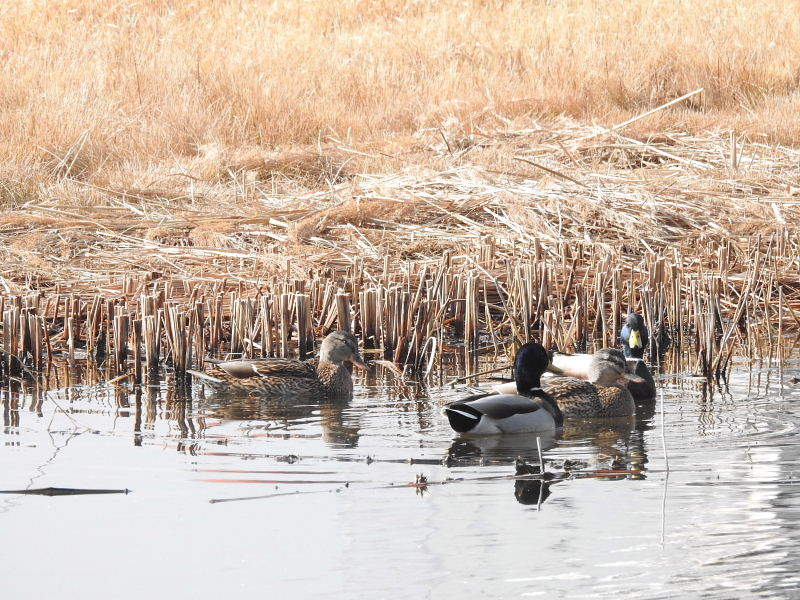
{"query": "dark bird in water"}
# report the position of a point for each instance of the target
(634, 336)
(327, 377)
(646, 388)
(529, 410)
(635, 339)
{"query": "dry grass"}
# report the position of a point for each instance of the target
(703, 203)
(224, 144)
(104, 91)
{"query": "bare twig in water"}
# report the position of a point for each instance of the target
(553, 477)
(54, 491)
(475, 375)
(663, 434)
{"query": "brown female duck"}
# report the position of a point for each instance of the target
(604, 395)
(326, 377)
(638, 378)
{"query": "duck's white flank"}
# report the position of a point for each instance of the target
(522, 422)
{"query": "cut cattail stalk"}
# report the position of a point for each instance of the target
(305, 334)
(343, 312)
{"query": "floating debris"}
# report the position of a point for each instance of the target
(54, 491)
(523, 468)
(289, 458)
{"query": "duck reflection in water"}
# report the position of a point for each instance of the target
(530, 491)
(498, 449)
(617, 442)
(517, 449)
(333, 419)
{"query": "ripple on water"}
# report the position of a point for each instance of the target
(723, 522)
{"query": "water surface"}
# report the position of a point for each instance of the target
(340, 522)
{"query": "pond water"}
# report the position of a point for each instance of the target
(339, 521)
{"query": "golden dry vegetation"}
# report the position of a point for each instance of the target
(136, 134)
(145, 82)
(234, 143)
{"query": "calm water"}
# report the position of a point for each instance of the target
(723, 523)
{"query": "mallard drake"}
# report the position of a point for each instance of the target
(634, 336)
(326, 377)
(529, 410)
(645, 388)
(594, 385)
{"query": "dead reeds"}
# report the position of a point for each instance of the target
(412, 316)
(697, 234)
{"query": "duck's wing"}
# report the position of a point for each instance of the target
(498, 413)
(269, 367)
(568, 387)
(501, 406)
(575, 397)
(616, 401)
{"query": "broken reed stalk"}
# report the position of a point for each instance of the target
(151, 337)
(305, 334)
(343, 312)
(137, 350)
(179, 333)
(370, 325)
(285, 321)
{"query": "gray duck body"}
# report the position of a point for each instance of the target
(641, 390)
(528, 410)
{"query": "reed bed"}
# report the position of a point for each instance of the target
(179, 181)
(549, 233)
